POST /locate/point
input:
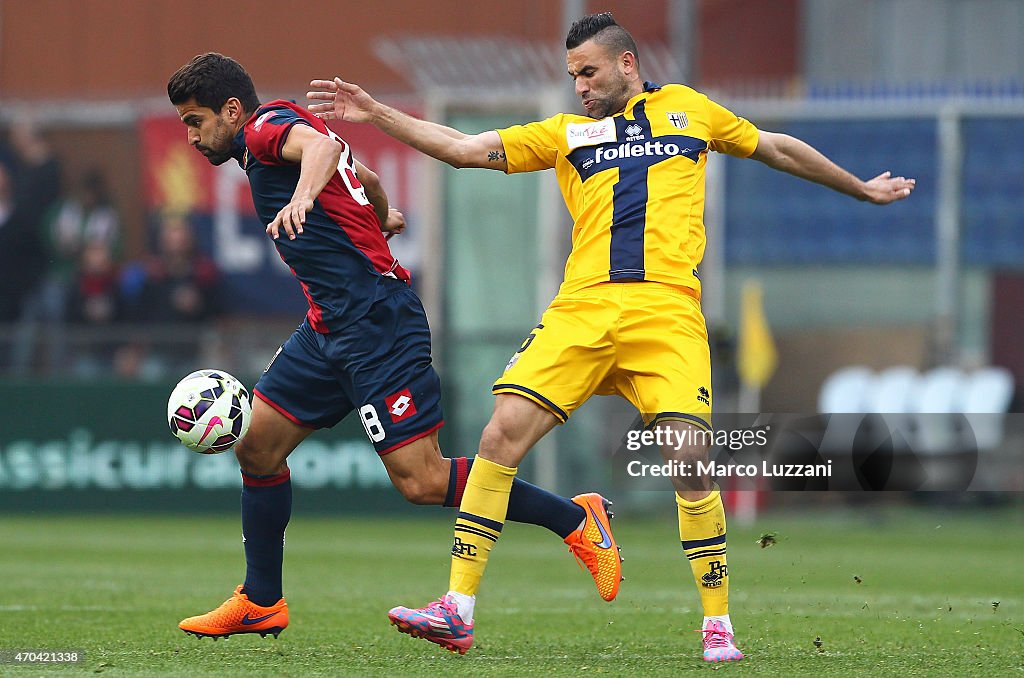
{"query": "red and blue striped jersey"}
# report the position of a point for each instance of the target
(341, 257)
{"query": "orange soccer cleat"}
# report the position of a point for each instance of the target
(238, 615)
(594, 546)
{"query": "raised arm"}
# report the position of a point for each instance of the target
(789, 154)
(318, 156)
(347, 101)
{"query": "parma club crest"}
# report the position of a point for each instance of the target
(678, 120)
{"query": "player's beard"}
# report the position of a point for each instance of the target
(218, 151)
(611, 102)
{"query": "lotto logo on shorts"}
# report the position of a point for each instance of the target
(400, 405)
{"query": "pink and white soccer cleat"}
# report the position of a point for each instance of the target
(718, 645)
(438, 622)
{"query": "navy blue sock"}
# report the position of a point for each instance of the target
(526, 503)
(266, 508)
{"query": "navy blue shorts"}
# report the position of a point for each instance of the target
(378, 366)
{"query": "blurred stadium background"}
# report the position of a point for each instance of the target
(126, 261)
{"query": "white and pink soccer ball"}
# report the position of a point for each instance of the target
(209, 411)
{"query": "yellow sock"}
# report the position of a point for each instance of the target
(478, 526)
(702, 533)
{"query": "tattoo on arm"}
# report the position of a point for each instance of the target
(495, 156)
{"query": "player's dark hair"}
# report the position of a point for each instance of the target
(211, 79)
(602, 29)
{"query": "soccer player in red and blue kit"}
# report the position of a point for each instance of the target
(364, 345)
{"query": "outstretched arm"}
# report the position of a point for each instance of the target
(789, 154)
(347, 101)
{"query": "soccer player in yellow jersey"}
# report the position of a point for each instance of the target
(627, 318)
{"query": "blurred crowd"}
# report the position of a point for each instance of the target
(73, 301)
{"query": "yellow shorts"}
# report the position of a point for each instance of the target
(644, 341)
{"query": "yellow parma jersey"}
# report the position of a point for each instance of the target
(633, 182)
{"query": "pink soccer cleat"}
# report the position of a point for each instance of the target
(718, 645)
(438, 622)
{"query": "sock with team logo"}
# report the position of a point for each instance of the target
(526, 503)
(478, 525)
(702, 533)
(266, 509)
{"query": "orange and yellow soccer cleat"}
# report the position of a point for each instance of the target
(594, 546)
(238, 615)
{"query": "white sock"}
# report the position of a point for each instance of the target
(723, 618)
(464, 604)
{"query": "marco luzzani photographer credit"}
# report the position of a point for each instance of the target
(840, 452)
(664, 437)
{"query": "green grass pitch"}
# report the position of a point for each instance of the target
(890, 593)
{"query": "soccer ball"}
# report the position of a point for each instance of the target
(208, 411)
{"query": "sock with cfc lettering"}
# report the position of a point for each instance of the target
(478, 525)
